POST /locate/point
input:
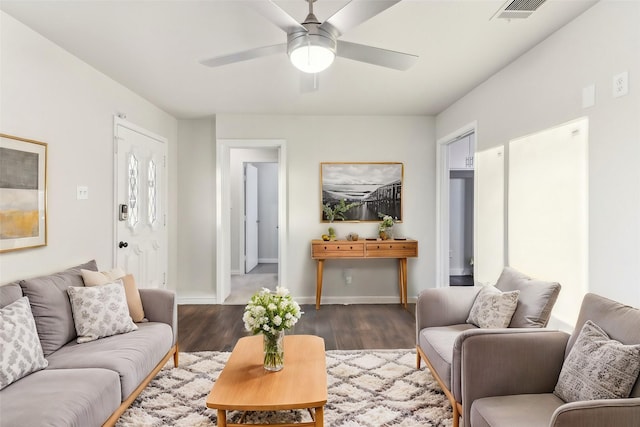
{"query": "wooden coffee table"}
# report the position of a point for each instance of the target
(244, 384)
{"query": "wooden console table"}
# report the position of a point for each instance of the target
(364, 249)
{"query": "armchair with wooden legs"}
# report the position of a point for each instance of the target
(442, 328)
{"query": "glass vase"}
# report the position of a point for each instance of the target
(386, 234)
(274, 351)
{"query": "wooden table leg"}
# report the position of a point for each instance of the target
(320, 416)
(222, 418)
(319, 270)
(404, 281)
(400, 281)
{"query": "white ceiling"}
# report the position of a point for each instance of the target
(154, 48)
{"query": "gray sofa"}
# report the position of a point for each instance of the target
(442, 327)
(533, 383)
(88, 384)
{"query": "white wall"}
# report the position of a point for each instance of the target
(48, 95)
(542, 89)
(315, 139)
(196, 201)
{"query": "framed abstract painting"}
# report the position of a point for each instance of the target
(23, 193)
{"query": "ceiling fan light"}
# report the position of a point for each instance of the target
(312, 59)
(313, 51)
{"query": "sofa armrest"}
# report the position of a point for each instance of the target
(500, 362)
(595, 413)
(444, 306)
(160, 305)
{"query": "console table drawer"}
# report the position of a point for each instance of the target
(392, 249)
(343, 249)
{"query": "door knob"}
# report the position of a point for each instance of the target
(123, 245)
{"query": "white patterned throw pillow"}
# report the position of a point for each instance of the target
(598, 367)
(21, 350)
(100, 311)
(492, 308)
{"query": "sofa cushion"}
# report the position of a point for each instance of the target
(61, 397)
(100, 311)
(523, 410)
(94, 278)
(21, 350)
(598, 367)
(11, 292)
(51, 307)
(437, 344)
(535, 301)
(492, 308)
(132, 355)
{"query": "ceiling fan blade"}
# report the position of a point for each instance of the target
(275, 14)
(245, 55)
(376, 56)
(309, 82)
(355, 13)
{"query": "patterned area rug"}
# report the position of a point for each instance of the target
(365, 388)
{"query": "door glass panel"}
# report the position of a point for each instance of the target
(133, 190)
(152, 194)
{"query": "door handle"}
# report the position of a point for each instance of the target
(123, 245)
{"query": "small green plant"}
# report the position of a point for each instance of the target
(387, 221)
(338, 210)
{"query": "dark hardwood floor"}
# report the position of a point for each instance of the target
(343, 327)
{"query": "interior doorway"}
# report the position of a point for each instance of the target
(258, 267)
(251, 208)
(456, 208)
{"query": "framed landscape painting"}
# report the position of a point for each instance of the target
(23, 193)
(367, 189)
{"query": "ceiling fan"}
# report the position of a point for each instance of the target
(312, 46)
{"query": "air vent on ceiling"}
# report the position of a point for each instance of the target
(517, 9)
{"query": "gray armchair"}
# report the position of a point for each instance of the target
(442, 328)
(511, 378)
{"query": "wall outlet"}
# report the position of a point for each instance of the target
(348, 276)
(82, 192)
(621, 84)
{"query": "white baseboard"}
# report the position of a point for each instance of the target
(355, 300)
(197, 299)
(460, 272)
(267, 260)
(211, 299)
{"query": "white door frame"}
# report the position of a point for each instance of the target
(223, 211)
(442, 201)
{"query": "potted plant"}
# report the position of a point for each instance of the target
(385, 226)
(336, 212)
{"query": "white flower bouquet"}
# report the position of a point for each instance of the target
(271, 314)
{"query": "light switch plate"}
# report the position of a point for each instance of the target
(588, 96)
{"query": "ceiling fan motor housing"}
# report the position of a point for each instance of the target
(313, 50)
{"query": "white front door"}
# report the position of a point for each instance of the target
(141, 232)
(251, 217)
